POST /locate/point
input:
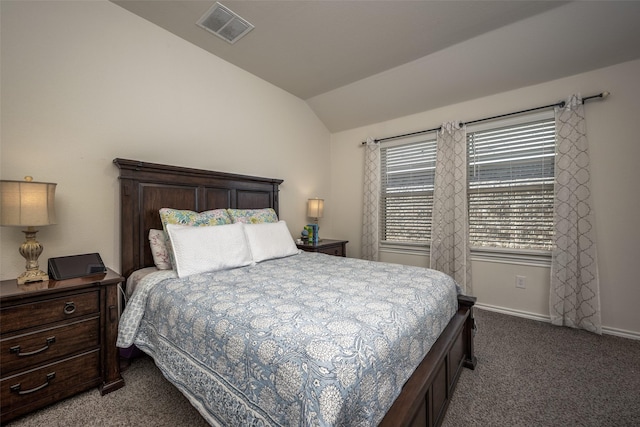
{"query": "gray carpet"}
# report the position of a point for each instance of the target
(529, 374)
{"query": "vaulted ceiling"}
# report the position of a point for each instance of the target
(362, 62)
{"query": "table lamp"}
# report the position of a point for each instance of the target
(315, 210)
(28, 204)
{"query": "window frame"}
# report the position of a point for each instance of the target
(534, 257)
(392, 245)
(517, 120)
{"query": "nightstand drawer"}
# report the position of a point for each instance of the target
(334, 250)
(49, 311)
(26, 350)
(21, 393)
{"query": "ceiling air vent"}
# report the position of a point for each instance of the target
(224, 23)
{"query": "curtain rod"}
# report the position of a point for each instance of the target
(560, 104)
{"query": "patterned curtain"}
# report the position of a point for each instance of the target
(450, 251)
(575, 294)
(371, 200)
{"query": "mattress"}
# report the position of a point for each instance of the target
(135, 278)
(309, 339)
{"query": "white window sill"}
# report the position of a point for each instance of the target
(404, 248)
(537, 258)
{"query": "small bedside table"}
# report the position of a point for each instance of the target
(57, 338)
(326, 246)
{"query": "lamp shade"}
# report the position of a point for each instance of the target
(27, 203)
(315, 208)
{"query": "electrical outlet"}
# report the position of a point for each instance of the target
(521, 282)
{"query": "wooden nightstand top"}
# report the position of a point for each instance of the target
(327, 246)
(10, 290)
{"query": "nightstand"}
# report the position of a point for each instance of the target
(326, 246)
(57, 338)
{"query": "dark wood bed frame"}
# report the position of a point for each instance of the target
(147, 187)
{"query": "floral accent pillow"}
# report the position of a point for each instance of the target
(196, 219)
(190, 218)
(159, 250)
(253, 216)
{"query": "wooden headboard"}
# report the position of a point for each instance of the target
(147, 187)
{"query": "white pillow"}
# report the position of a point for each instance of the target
(201, 249)
(270, 240)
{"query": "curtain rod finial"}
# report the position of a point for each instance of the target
(605, 94)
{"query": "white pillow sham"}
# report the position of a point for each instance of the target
(270, 240)
(202, 249)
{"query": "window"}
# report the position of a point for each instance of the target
(511, 174)
(407, 191)
(510, 188)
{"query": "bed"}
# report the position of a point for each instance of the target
(417, 395)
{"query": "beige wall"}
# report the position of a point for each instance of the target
(86, 82)
(612, 127)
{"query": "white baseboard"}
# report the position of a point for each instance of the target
(621, 333)
(512, 312)
(542, 318)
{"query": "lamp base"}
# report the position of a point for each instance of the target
(32, 276)
(31, 250)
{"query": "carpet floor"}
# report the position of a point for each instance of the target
(529, 373)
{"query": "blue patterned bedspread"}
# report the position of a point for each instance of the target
(307, 340)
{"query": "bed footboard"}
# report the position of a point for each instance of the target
(426, 395)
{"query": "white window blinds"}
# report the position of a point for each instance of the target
(511, 174)
(407, 191)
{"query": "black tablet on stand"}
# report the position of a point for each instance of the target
(68, 267)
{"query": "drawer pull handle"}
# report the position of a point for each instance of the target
(69, 307)
(16, 349)
(16, 388)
